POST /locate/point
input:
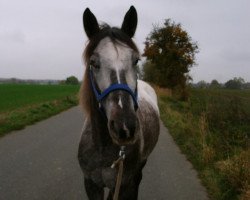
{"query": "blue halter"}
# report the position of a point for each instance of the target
(117, 86)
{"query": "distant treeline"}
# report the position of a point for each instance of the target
(71, 80)
(29, 81)
(235, 83)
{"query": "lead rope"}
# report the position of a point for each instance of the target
(119, 162)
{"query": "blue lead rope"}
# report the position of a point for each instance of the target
(117, 86)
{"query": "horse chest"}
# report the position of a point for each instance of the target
(104, 176)
(97, 166)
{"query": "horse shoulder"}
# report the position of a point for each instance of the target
(147, 93)
(148, 114)
(86, 148)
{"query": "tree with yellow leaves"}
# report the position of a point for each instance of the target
(170, 53)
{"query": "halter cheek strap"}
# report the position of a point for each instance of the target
(117, 86)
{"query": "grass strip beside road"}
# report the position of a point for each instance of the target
(22, 105)
(212, 130)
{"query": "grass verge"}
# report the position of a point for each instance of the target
(35, 103)
(212, 129)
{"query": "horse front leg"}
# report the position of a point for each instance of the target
(94, 192)
(128, 191)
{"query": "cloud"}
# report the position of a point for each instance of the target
(12, 36)
(45, 39)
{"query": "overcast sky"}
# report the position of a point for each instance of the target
(45, 39)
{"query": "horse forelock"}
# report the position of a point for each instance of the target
(87, 98)
(116, 36)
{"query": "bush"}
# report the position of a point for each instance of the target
(72, 80)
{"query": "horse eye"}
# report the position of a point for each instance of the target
(136, 61)
(93, 64)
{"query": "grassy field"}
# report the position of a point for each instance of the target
(22, 104)
(213, 130)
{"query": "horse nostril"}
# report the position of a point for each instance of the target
(132, 131)
(123, 130)
(122, 134)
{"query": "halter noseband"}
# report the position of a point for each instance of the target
(113, 87)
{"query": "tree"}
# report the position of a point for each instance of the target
(202, 84)
(246, 85)
(172, 53)
(72, 80)
(214, 84)
(235, 83)
(148, 72)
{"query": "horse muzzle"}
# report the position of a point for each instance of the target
(123, 130)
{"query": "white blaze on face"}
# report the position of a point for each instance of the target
(120, 102)
(117, 58)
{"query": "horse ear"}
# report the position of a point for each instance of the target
(130, 22)
(90, 23)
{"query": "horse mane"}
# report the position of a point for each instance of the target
(117, 36)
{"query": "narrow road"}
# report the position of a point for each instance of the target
(39, 163)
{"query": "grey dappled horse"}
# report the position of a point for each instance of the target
(119, 109)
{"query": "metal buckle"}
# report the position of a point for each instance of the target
(122, 152)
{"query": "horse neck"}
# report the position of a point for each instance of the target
(95, 118)
(100, 133)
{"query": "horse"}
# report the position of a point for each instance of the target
(120, 110)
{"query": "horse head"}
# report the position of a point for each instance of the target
(111, 59)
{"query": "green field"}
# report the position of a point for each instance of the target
(17, 96)
(213, 130)
(22, 104)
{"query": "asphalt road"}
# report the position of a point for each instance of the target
(39, 163)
